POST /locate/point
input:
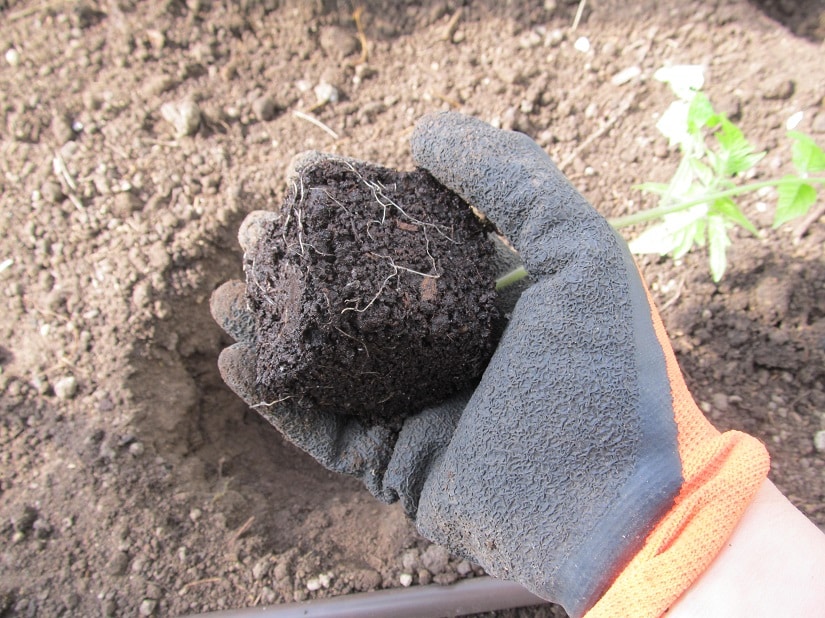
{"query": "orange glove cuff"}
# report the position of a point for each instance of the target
(722, 474)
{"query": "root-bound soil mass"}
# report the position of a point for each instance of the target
(373, 294)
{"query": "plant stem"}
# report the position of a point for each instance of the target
(510, 278)
(655, 213)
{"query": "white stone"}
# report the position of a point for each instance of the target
(819, 441)
(13, 57)
(65, 388)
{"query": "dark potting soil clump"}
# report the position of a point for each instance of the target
(373, 294)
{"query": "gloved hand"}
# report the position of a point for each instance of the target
(579, 466)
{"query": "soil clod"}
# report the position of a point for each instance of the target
(373, 294)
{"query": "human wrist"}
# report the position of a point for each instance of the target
(771, 565)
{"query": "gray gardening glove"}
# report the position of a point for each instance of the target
(555, 469)
(543, 474)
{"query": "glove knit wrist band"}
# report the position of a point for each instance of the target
(722, 474)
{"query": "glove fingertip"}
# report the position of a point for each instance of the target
(237, 367)
(253, 225)
(228, 307)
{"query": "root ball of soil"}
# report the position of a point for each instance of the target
(373, 294)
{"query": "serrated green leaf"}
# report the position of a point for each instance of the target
(693, 234)
(683, 241)
(718, 243)
(699, 112)
(681, 182)
(736, 154)
(808, 157)
(703, 173)
(727, 208)
(656, 239)
(674, 235)
(795, 199)
(673, 125)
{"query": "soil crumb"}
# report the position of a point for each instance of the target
(374, 293)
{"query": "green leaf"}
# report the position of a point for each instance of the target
(655, 239)
(808, 157)
(701, 172)
(693, 234)
(727, 208)
(795, 199)
(675, 235)
(718, 243)
(674, 126)
(699, 113)
(737, 155)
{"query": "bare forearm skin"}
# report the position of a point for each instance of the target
(773, 565)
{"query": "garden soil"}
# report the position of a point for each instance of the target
(137, 135)
(373, 295)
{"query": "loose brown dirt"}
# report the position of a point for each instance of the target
(136, 136)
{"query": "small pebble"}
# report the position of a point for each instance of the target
(779, 90)
(118, 564)
(530, 40)
(184, 116)
(337, 42)
(125, 203)
(819, 441)
(554, 38)
(793, 120)
(12, 57)
(326, 93)
(405, 579)
(464, 568)
(261, 568)
(24, 520)
(435, 559)
(719, 401)
(582, 44)
(147, 607)
(52, 192)
(264, 108)
(66, 388)
(410, 560)
(268, 595)
(626, 75)
(62, 128)
(109, 607)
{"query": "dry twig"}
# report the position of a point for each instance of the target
(362, 37)
(578, 16)
(452, 25)
(315, 121)
(241, 531)
(199, 582)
